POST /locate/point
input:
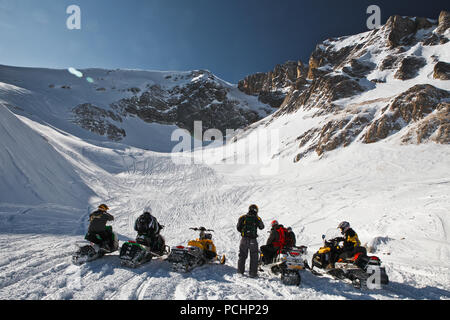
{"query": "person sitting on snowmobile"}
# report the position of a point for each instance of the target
(275, 243)
(290, 238)
(248, 226)
(351, 245)
(148, 226)
(97, 228)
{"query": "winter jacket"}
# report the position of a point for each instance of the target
(351, 240)
(291, 240)
(98, 220)
(147, 225)
(275, 236)
(248, 225)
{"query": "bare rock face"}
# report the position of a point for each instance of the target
(413, 105)
(272, 87)
(98, 120)
(202, 98)
(204, 101)
(400, 28)
(442, 71)
(444, 22)
(403, 27)
(321, 92)
(422, 108)
(434, 127)
(409, 67)
(390, 62)
(341, 68)
(359, 69)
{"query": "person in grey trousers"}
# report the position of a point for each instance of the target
(248, 226)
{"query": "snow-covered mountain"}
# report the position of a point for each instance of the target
(389, 83)
(366, 123)
(137, 108)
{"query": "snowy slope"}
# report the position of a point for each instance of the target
(29, 162)
(50, 96)
(404, 186)
(54, 173)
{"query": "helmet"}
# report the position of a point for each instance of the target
(103, 207)
(344, 226)
(253, 209)
(147, 213)
(274, 223)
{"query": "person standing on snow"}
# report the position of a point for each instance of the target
(248, 226)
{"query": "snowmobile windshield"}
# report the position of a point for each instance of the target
(332, 234)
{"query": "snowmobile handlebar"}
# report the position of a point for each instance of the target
(333, 242)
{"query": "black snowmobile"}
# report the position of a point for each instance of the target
(361, 270)
(135, 253)
(197, 253)
(288, 264)
(89, 251)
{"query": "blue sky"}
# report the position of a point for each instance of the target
(231, 38)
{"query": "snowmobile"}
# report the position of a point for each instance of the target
(362, 271)
(135, 253)
(88, 251)
(197, 253)
(288, 264)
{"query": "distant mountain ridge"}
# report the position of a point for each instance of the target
(366, 87)
(139, 108)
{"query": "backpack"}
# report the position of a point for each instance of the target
(282, 237)
(250, 227)
(142, 224)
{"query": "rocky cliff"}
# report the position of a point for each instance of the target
(181, 100)
(272, 87)
(368, 87)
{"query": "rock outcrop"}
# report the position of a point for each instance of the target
(444, 22)
(341, 69)
(272, 87)
(409, 67)
(199, 97)
(442, 71)
(99, 121)
(413, 106)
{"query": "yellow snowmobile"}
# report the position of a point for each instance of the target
(197, 253)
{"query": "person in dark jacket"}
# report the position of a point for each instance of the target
(248, 226)
(97, 232)
(148, 226)
(275, 242)
(291, 239)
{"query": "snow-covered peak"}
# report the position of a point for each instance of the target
(128, 106)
